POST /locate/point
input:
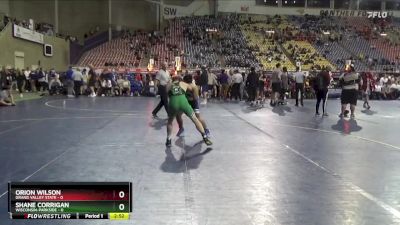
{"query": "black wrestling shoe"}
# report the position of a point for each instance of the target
(168, 143)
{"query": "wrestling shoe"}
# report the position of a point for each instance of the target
(207, 140)
(181, 132)
(168, 143)
(346, 113)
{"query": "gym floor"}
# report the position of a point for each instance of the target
(266, 166)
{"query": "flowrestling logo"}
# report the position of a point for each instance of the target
(377, 14)
(356, 13)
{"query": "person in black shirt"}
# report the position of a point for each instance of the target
(204, 83)
(321, 84)
(20, 78)
(92, 81)
(6, 99)
(251, 85)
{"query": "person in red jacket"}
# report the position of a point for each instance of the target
(367, 85)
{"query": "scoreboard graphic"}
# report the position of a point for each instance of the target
(70, 200)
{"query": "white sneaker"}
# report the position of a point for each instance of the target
(71, 96)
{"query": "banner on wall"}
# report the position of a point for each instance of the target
(27, 34)
(356, 13)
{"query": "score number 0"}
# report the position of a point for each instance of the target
(121, 194)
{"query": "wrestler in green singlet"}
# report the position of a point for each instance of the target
(179, 104)
(178, 101)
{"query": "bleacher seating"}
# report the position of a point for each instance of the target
(305, 53)
(242, 41)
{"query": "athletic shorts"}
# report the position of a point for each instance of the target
(276, 87)
(179, 104)
(260, 88)
(193, 105)
(204, 88)
(349, 96)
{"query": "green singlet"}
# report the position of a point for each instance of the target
(178, 102)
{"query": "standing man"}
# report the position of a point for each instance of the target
(367, 85)
(276, 84)
(27, 73)
(237, 79)
(349, 82)
(70, 82)
(162, 79)
(251, 85)
(78, 81)
(224, 84)
(203, 83)
(299, 78)
(321, 84)
(284, 86)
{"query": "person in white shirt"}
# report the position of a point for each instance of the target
(237, 80)
(383, 80)
(78, 80)
(54, 79)
(299, 78)
(162, 79)
(27, 79)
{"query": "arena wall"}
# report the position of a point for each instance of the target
(39, 10)
(79, 17)
(250, 7)
(196, 8)
(33, 52)
(134, 14)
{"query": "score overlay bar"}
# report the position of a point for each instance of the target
(70, 200)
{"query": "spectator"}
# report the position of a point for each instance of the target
(350, 82)
(124, 85)
(223, 80)
(92, 81)
(42, 80)
(70, 82)
(85, 78)
(78, 81)
(251, 85)
(20, 77)
(237, 80)
(321, 84)
(299, 79)
(6, 98)
(203, 83)
(212, 83)
(276, 84)
(27, 73)
(285, 86)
